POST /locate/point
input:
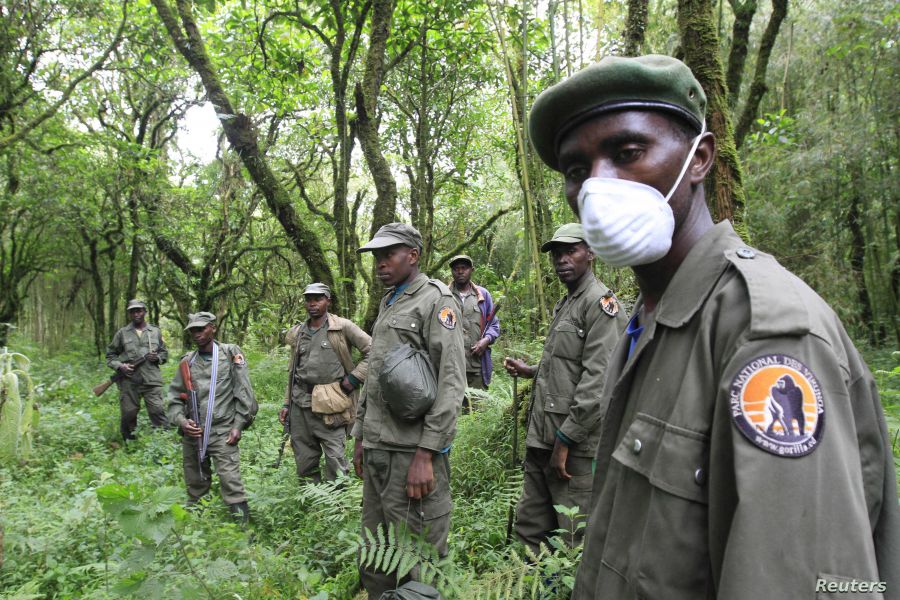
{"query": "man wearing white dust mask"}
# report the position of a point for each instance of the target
(718, 393)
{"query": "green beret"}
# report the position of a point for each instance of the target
(393, 234)
(317, 289)
(570, 233)
(653, 82)
(135, 304)
(200, 319)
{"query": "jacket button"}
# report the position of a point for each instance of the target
(581, 332)
(413, 325)
(744, 252)
(551, 405)
(700, 476)
(636, 448)
(393, 321)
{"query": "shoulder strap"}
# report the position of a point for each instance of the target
(339, 343)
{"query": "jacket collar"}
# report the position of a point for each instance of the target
(413, 287)
(478, 293)
(697, 275)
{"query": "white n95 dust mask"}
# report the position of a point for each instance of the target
(628, 223)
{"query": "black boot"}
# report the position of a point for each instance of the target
(240, 511)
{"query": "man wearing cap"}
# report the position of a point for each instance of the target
(138, 340)
(480, 324)
(566, 408)
(226, 406)
(744, 452)
(320, 356)
(404, 463)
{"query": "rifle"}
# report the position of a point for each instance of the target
(185, 368)
(285, 436)
(117, 377)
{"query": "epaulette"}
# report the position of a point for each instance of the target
(445, 290)
(777, 306)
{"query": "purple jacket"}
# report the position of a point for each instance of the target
(490, 327)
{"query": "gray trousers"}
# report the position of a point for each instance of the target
(385, 501)
(536, 519)
(310, 437)
(224, 458)
(130, 405)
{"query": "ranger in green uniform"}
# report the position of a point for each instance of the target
(404, 464)
(217, 375)
(744, 452)
(480, 324)
(319, 349)
(566, 403)
(135, 341)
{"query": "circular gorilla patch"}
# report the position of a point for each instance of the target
(776, 402)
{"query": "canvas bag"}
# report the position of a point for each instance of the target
(407, 382)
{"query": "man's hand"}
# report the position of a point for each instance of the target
(153, 357)
(126, 369)
(479, 347)
(347, 386)
(420, 479)
(191, 429)
(234, 436)
(358, 457)
(517, 368)
(282, 414)
(558, 460)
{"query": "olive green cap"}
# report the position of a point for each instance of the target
(570, 233)
(135, 303)
(393, 234)
(200, 319)
(652, 82)
(461, 258)
(317, 289)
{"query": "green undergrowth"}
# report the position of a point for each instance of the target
(86, 517)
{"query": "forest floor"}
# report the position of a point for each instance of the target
(86, 517)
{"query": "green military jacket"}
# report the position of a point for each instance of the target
(567, 387)
(426, 316)
(470, 317)
(319, 362)
(744, 453)
(235, 404)
(128, 346)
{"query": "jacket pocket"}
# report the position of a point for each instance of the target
(657, 536)
(569, 340)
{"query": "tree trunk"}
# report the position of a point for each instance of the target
(635, 27)
(243, 138)
(366, 95)
(858, 254)
(740, 40)
(758, 86)
(700, 44)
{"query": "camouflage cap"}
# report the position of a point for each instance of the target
(461, 258)
(570, 233)
(200, 319)
(317, 289)
(653, 82)
(393, 234)
(135, 303)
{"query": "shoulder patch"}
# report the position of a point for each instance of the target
(609, 304)
(777, 403)
(447, 317)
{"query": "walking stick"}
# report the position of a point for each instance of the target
(515, 452)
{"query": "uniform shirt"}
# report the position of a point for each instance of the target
(699, 490)
(234, 403)
(314, 359)
(426, 317)
(567, 387)
(471, 318)
(128, 345)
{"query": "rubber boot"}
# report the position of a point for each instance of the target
(240, 511)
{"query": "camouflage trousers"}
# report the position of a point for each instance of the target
(536, 519)
(227, 463)
(310, 437)
(130, 405)
(385, 501)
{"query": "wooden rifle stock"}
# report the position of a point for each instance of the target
(117, 377)
(185, 368)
